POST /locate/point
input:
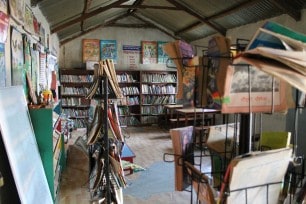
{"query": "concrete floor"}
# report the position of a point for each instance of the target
(148, 143)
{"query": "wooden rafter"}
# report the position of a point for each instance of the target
(148, 7)
(219, 29)
(287, 8)
(86, 16)
(87, 4)
(219, 15)
(83, 32)
(154, 25)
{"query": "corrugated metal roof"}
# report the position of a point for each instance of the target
(188, 20)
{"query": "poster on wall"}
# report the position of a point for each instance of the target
(91, 50)
(17, 10)
(131, 56)
(35, 26)
(149, 52)
(28, 20)
(108, 50)
(17, 61)
(2, 66)
(43, 83)
(162, 56)
(35, 70)
(4, 24)
(42, 35)
(27, 54)
(3, 6)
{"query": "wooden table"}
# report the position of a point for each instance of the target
(169, 110)
(194, 112)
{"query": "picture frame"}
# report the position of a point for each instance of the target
(91, 50)
(149, 52)
(236, 98)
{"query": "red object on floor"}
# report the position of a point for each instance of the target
(127, 155)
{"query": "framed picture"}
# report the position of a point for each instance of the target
(108, 50)
(149, 52)
(267, 93)
(91, 50)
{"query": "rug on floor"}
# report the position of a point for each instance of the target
(157, 178)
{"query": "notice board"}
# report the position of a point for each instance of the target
(21, 147)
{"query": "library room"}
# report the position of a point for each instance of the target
(152, 101)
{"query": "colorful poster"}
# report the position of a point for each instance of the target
(162, 56)
(108, 50)
(17, 10)
(131, 55)
(35, 69)
(2, 66)
(18, 72)
(43, 84)
(28, 20)
(91, 50)
(4, 24)
(149, 52)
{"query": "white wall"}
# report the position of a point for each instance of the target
(71, 52)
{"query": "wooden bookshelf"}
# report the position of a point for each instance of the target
(145, 94)
(75, 84)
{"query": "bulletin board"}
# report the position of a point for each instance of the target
(21, 147)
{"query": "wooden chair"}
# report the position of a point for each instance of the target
(200, 183)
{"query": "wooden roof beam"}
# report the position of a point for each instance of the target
(85, 10)
(225, 12)
(155, 25)
(86, 16)
(219, 29)
(288, 9)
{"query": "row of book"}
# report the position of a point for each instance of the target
(126, 78)
(80, 123)
(157, 89)
(76, 79)
(152, 110)
(168, 99)
(129, 121)
(123, 110)
(129, 90)
(158, 78)
(75, 113)
(74, 91)
(129, 100)
(149, 119)
(75, 102)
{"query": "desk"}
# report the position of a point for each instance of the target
(194, 112)
(169, 110)
(127, 155)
